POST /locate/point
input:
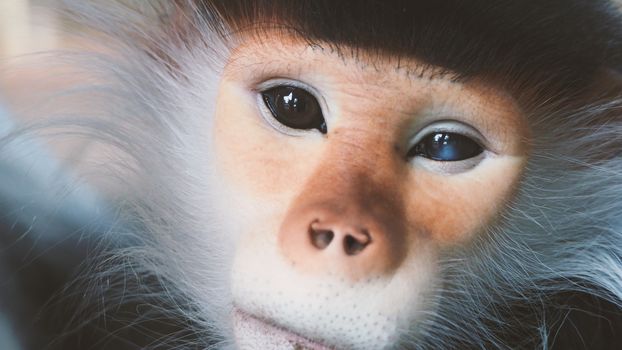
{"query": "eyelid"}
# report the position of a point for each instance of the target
(275, 82)
(265, 85)
(449, 167)
(451, 126)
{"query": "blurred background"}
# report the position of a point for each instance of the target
(30, 269)
(27, 26)
(31, 81)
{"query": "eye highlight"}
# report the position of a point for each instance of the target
(446, 146)
(294, 107)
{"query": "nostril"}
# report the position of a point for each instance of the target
(321, 238)
(353, 241)
(354, 245)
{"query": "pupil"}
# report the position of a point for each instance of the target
(293, 103)
(443, 146)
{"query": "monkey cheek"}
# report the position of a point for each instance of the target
(452, 210)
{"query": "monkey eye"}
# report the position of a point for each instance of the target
(446, 146)
(294, 107)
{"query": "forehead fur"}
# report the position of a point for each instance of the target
(557, 43)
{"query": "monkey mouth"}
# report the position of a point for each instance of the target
(252, 332)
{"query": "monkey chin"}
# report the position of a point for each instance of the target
(254, 333)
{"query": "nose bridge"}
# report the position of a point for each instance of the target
(358, 167)
(350, 191)
(363, 171)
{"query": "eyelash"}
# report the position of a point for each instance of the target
(450, 167)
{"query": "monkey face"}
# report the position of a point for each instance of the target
(351, 175)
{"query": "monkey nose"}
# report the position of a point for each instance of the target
(322, 242)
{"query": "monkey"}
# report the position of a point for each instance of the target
(351, 174)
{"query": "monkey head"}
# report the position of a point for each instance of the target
(355, 174)
(370, 175)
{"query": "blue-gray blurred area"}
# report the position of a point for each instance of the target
(53, 230)
(10, 303)
(47, 225)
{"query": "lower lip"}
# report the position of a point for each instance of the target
(249, 328)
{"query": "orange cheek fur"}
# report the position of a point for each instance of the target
(450, 209)
(255, 159)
